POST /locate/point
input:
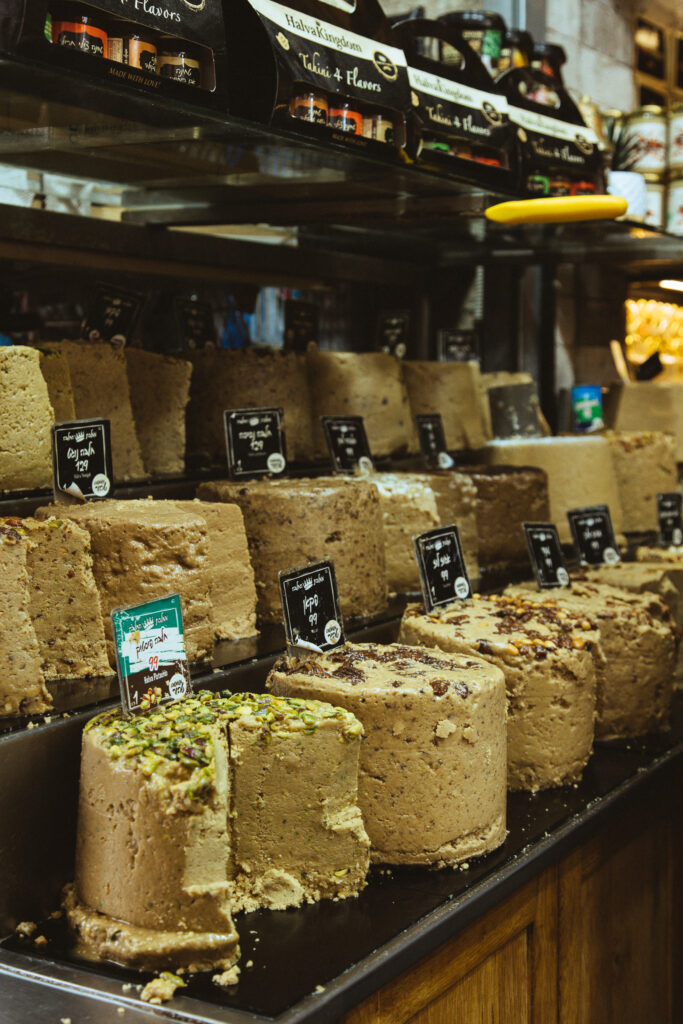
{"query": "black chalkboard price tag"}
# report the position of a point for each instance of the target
(81, 460)
(310, 605)
(457, 346)
(545, 552)
(196, 328)
(593, 535)
(670, 518)
(433, 440)
(301, 325)
(393, 332)
(255, 442)
(347, 443)
(113, 314)
(443, 576)
(514, 411)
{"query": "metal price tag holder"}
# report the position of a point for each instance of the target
(545, 553)
(310, 608)
(347, 443)
(440, 559)
(432, 439)
(255, 443)
(593, 535)
(82, 461)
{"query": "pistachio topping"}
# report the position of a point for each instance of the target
(178, 738)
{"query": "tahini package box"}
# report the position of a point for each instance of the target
(327, 71)
(459, 123)
(170, 47)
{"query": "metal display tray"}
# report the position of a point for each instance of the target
(309, 965)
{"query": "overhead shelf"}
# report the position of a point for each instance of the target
(189, 165)
(350, 216)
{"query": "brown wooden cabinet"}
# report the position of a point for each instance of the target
(593, 940)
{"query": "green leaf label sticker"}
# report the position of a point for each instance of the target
(150, 654)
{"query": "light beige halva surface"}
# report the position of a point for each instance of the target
(545, 657)
(433, 761)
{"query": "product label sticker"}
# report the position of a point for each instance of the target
(433, 441)
(150, 654)
(545, 552)
(443, 575)
(670, 518)
(196, 327)
(457, 346)
(113, 314)
(310, 605)
(301, 324)
(255, 442)
(514, 411)
(593, 535)
(587, 408)
(347, 443)
(81, 460)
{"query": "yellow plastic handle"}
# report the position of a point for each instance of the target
(557, 209)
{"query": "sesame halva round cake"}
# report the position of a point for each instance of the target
(432, 786)
(292, 522)
(545, 656)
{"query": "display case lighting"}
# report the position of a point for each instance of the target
(676, 286)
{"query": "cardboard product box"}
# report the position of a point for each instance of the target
(459, 120)
(559, 154)
(170, 47)
(646, 405)
(328, 71)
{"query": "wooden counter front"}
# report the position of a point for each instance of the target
(595, 939)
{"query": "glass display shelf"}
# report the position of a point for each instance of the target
(176, 161)
(311, 964)
(173, 165)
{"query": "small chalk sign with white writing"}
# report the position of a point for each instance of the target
(514, 411)
(150, 654)
(301, 325)
(195, 323)
(347, 443)
(255, 443)
(457, 346)
(670, 518)
(433, 441)
(310, 605)
(393, 332)
(112, 315)
(593, 535)
(545, 552)
(81, 460)
(443, 576)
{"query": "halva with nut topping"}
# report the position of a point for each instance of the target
(657, 571)
(634, 654)
(432, 784)
(545, 656)
(217, 803)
